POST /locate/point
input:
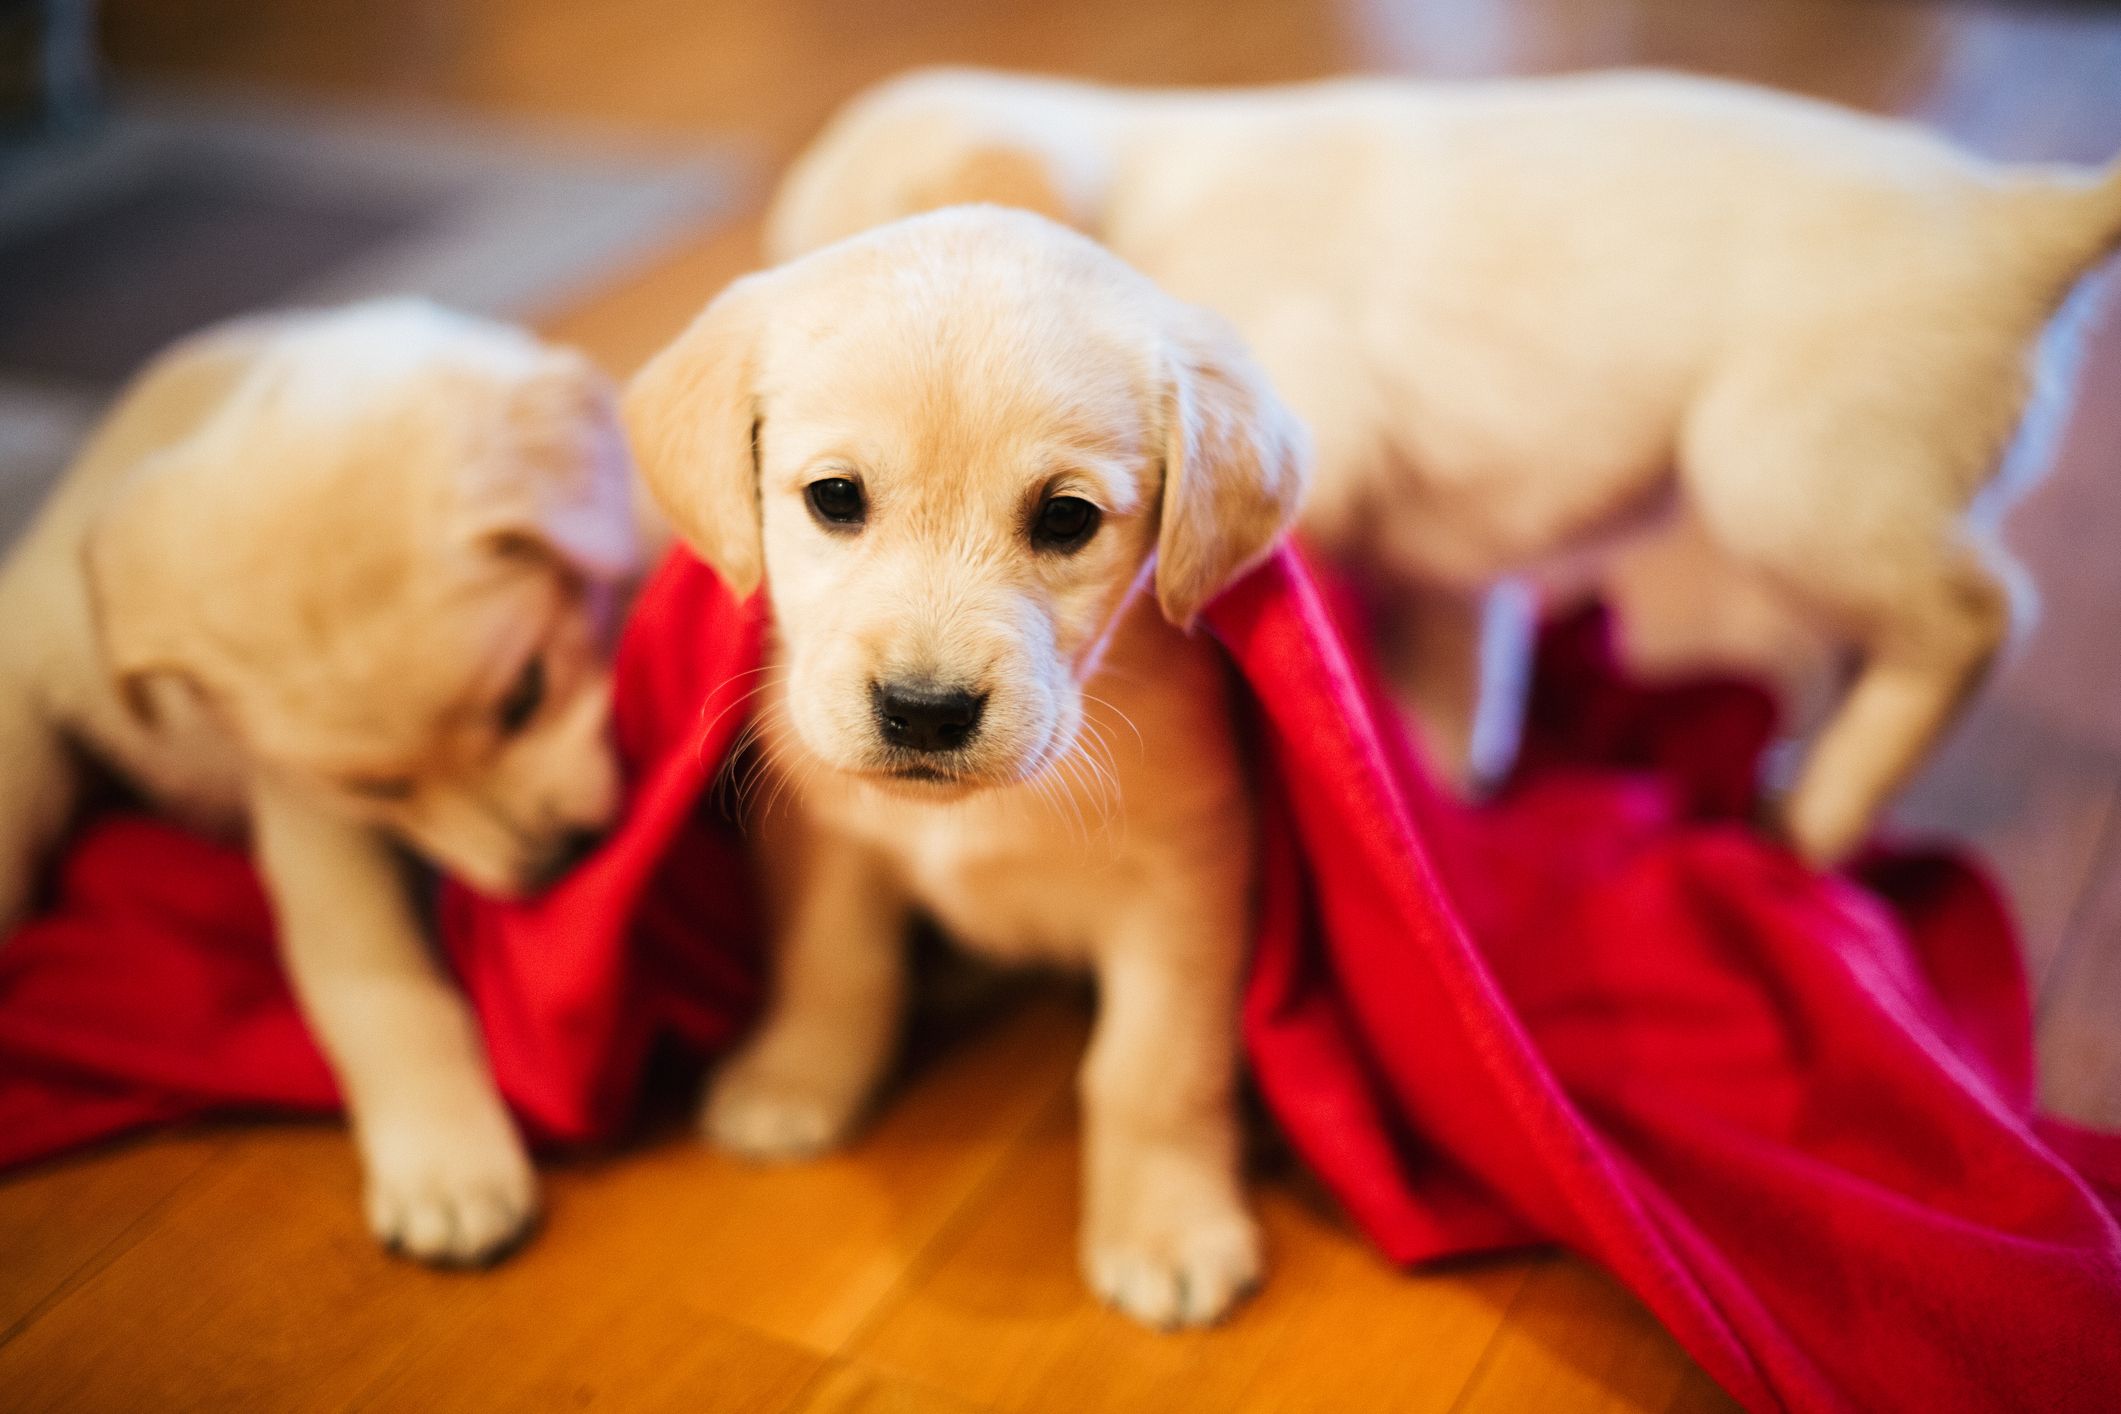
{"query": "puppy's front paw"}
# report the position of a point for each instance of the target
(1168, 1265)
(766, 1106)
(452, 1194)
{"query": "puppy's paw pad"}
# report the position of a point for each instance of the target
(1189, 1274)
(457, 1209)
(762, 1116)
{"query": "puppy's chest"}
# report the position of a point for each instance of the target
(1009, 886)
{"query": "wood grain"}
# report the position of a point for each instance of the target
(849, 1389)
(257, 1284)
(1002, 1317)
(2032, 802)
(1575, 1340)
(62, 1221)
(772, 1264)
(2081, 1063)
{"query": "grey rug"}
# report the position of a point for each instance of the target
(180, 211)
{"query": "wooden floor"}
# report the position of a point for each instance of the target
(931, 1268)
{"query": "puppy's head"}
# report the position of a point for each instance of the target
(386, 562)
(955, 449)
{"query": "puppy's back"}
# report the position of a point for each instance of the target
(1696, 180)
(163, 403)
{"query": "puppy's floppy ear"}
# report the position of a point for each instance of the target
(692, 415)
(558, 480)
(1235, 464)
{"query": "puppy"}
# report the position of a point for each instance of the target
(988, 475)
(345, 579)
(1527, 319)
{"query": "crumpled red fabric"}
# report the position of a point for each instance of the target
(1793, 1112)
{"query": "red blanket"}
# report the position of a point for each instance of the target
(1794, 1113)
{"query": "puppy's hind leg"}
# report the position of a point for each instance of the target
(1918, 667)
(1848, 493)
(39, 783)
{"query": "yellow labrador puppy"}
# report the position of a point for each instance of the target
(1525, 318)
(988, 475)
(343, 577)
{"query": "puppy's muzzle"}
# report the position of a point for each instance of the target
(914, 714)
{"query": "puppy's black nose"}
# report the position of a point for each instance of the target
(564, 854)
(926, 716)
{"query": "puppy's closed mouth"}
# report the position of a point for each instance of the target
(928, 775)
(923, 778)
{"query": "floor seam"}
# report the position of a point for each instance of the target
(929, 1254)
(1487, 1351)
(120, 1243)
(2109, 840)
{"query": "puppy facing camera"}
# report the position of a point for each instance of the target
(987, 476)
(346, 579)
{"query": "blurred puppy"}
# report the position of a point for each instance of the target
(988, 475)
(1526, 320)
(345, 577)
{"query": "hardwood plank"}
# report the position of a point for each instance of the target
(653, 1352)
(808, 1251)
(2080, 1052)
(623, 323)
(1002, 1319)
(1575, 1339)
(283, 1293)
(849, 1389)
(255, 1289)
(61, 1221)
(2032, 803)
(1698, 1394)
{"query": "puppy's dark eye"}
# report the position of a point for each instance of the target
(836, 501)
(523, 699)
(1064, 523)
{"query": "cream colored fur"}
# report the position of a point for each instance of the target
(1529, 321)
(291, 583)
(966, 369)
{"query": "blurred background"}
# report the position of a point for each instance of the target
(596, 167)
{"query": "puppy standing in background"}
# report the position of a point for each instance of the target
(347, 578)
(988, 476)
(1529, 320)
